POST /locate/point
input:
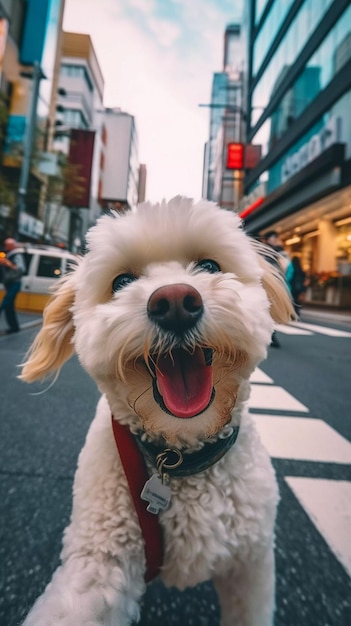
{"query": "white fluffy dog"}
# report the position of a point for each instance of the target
(170, 311)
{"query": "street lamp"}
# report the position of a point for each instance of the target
(232, 108)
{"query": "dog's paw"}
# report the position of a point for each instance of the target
(54, 613)
(46, 616)
(83, 603)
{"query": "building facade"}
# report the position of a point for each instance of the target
(79, 139)
(220, 183)
(29, 43)
(120, 180)
(299, 104)
(114, 179)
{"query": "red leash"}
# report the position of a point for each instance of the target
(135, 469)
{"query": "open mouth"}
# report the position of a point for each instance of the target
(183, 381)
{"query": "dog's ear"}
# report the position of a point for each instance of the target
(52, 345)
(281, 309)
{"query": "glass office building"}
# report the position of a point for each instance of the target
(299, 103)
(219, 97)
(225, 121)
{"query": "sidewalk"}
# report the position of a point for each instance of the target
(328, 316)
(26, 320)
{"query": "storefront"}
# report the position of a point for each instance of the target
(323, 244)
(320, 235)
(306, 198)
(299, 103)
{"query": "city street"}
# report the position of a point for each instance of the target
(301, 404)
(166, 114)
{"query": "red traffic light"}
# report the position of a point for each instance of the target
(235, 156)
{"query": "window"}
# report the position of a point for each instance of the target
(260, 5)
(49, 267)
(270, 28)
(27, 259)
(302, 27)
(332, 54)
(76, 71)
(73, 118)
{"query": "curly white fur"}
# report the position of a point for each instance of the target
(220, 524)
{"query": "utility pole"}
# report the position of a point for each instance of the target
(36, 76)
(73, 219)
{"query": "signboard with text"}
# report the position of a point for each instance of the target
(80, 160)
(34, 29)
(329, 134)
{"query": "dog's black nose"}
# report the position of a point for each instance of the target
(175, 307)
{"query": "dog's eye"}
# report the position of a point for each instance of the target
(122, 281)
(208, 265)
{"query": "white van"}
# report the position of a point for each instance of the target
(45, 264)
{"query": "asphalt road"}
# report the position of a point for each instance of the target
(41, 434)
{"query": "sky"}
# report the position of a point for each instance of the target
(157, 58)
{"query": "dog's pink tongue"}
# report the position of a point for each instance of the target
(185, 382)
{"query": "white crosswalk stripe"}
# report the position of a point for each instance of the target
(304, 438)
(328, 503)
(291, 330)
(273, 397)
(302, 328)
(260, 377)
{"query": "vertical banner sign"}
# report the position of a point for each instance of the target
(80, 160)
(30, 52)
(34, 30)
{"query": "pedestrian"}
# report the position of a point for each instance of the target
(13, 267)
(297, 282)
(280, 259)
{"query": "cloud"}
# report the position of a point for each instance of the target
(157, 60)
(147, 7)
(166, 32)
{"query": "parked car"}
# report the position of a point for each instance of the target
(45, 264)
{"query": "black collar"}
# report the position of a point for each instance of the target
(176, 464)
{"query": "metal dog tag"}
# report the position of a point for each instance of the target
(157, 494)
